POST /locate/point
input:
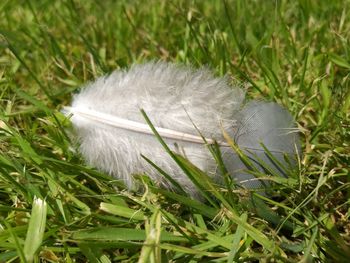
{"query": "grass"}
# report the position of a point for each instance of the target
(53, 208)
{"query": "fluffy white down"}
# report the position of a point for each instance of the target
(173, 97)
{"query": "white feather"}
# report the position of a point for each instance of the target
(178, 100)
(174, 98)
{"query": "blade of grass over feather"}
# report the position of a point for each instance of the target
(201, 179)
(229, 182)
(256, 235)
(168, 177)
(177, 159)
(276, 162)
(240, 153)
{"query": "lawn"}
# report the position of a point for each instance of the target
(55, 208)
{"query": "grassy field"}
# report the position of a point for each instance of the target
(54, 208)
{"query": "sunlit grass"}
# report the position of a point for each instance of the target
(54, 208)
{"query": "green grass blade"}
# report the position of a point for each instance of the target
(36, 228)
(120, 234)
(16, 242)
(122, 211)
(233, 256)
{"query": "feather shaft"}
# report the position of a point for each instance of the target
(134, 126)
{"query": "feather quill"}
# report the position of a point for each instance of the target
(179, 101)
(134, 126)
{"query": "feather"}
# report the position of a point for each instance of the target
(174, 98)
(179, 101)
